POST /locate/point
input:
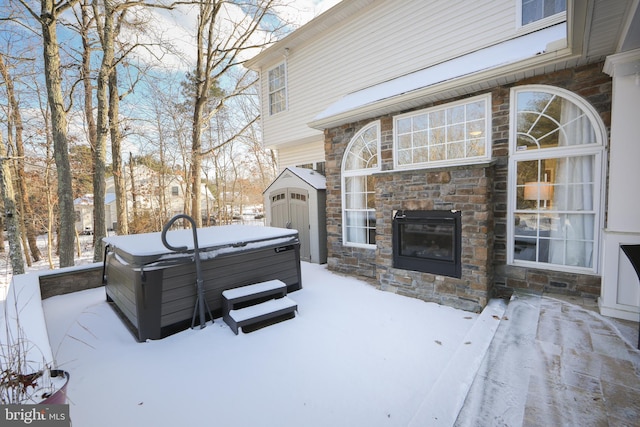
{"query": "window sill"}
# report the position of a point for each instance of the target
(553, 267)
(483, 163)
(541, 23)
(359, 245)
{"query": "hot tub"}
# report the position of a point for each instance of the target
(154, 289)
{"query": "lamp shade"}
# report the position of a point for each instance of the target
(538, 191)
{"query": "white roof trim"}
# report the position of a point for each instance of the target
(505, 53)
(311, 177)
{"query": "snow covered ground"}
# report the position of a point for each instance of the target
(353, 356)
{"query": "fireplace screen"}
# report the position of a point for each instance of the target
(428, 241)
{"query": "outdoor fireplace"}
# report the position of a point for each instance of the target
(428, 241)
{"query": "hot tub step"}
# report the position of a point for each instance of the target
(265, 312)
(244, 296)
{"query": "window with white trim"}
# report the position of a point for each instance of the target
(535, 10)
(360, 161)
(556, 172)
(277, 89)
(454, 133)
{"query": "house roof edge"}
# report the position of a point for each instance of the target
(333, 16)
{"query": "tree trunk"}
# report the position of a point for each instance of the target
(99, 153)
(102, 122)
(24, 202)
(59, 133)
(116, 154)
(11, 213)
(134, 196)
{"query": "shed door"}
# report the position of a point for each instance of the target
(290, 209)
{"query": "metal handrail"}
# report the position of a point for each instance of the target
(201, 302)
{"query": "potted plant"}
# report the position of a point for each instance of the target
(25, 375)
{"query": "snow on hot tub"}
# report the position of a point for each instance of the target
(154, 289)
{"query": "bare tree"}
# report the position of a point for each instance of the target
(110, 18)
(170, 121)
(50, 12)
(98, 159)
(11, 213)
(221, 38)
(23, 199)
(105, 16)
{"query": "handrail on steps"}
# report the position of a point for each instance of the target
(201, 302)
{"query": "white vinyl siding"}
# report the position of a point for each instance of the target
(311, 152)
(378, 49)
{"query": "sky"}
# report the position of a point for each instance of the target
(178, 25)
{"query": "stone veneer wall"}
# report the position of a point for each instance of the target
(464, 189)
(479, 191)
(467, 189)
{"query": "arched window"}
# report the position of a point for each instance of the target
(556, 171)
(361, 160)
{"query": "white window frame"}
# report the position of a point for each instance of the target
(540, 23)
(283, 88)
(448, 162)
(596, 149)
(356, 173)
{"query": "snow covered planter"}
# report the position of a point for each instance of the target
(24, 380)
(48, 386)
(26, 359)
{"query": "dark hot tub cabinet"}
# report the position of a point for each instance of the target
(154, 289)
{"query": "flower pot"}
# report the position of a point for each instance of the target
(60, 380)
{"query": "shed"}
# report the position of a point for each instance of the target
(297, 199)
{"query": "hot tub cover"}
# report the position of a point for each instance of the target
(147, 248)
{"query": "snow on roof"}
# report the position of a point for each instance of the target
(87, 200)
(311, 177)
(501, 54)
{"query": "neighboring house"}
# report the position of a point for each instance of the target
(83, 207)
(469, 148)
(148, 197)
(84, 212)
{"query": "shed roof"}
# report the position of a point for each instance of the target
(311, 177)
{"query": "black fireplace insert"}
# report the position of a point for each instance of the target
(428, 241)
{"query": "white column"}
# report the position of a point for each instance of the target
(620, 294)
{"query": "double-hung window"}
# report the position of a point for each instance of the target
(454, 133)
(556, 171)
(360, 161)
(277, 89)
